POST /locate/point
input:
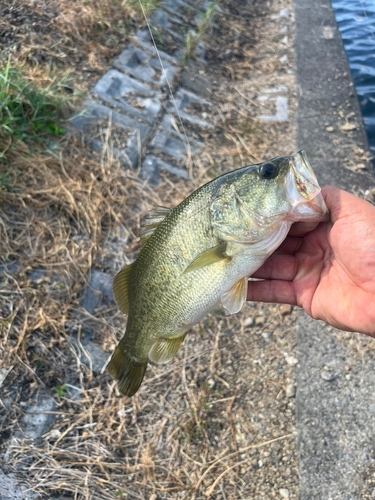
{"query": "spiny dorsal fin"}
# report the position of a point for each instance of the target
(208, 257)
(121, 289)
(165, 349)
(233, 299)
(152, 221)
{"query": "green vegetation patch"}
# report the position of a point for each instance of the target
(29, 113)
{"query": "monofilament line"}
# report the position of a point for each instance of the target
(186, 142)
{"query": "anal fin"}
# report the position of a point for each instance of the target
(127, 371)
(165, 349)
(233, 299)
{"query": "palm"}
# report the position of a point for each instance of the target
(330, 271)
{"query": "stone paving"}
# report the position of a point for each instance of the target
(134, 97)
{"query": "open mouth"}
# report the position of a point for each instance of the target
(303, 190)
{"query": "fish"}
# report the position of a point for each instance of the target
(201, 253)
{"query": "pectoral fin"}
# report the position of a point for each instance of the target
(120, 289)
(233, 299)
(208, 257)
(165, 349)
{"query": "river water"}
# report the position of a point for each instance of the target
(356, 22)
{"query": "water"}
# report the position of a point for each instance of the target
(356, 22)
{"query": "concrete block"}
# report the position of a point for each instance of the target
(152, 166)
(182, 100)
(178, 8)
(170, 145)
(133, 133)
(162, 20)
(138, 63)
(192, 80)
(143, 39)
(127, 94)
(99, 290)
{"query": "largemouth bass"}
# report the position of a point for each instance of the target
(202, 252)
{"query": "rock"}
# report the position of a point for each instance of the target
(248, 322)
(330, 129)
(260, 320)
(291, 360)
(327, 376)
(211, 383)
(290, 391)
(11, 489)
(284, 493)
(285, 309)
(260, 463)
(348, 126)
(36, 421)
(99, 289)
(98, 357)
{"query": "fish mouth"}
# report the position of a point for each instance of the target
(303, 191)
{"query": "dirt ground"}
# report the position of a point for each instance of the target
(217, 422)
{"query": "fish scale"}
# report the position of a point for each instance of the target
(202, 253)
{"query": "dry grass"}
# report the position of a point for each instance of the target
(80, 36)
(189, 433)
(215, 423)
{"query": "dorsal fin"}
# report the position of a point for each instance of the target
(152, 221)
(120, 289)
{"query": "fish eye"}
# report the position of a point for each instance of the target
(268, 171)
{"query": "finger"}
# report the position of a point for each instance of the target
(342, 204)
(278, 267)
(271, 291)
(301, 228)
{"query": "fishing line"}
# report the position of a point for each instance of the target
(186, 142)
(367, 19)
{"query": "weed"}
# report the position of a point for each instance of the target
(61, 390)
(28, 113)
(192, 38)
(148, 6)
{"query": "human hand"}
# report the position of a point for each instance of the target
(329, 271)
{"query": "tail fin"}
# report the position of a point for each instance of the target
(127, 371)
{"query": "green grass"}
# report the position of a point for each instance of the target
(28, 113)
(192, 38)
(148, 6)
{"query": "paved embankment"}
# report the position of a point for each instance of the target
(335, 396)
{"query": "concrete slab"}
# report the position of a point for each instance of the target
(95, 121)
(170, 145)
(183, 99)
(335, 407)
(143, 38)
(138, 63)
(152, 166)
(128, 95)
